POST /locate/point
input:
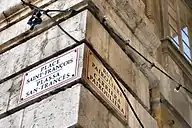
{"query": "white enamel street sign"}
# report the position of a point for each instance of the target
(50, 75)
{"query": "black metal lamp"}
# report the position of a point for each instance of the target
(35, 19)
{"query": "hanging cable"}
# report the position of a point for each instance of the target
(151, 63)
(129, 103)
(37, 10)
(46, 13)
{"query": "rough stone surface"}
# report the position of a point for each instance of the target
(138, 24)
(4, 95)
(12, 121)
(95, 115)
(21, 26)
(147, 120)
(14, 30)
(15, 92)
(57, 111)
(74, 106)
(116, 58)
(7, 4)
(138, 6)
(128, 72)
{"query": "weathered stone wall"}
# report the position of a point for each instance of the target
(134, 19)
(33, 52)
(41, 46)
(166, 85)
(50, 43)
(109, 50)
(23, 49)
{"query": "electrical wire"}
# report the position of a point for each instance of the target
(45, 12)
(129, 103)
(151, 63)
(61, 27)
(187, 90)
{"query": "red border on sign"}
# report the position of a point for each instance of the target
(50, 88)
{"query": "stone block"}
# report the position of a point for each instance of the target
(120, 27)
(12, 121)
(67, 3)
(97, 36)
(134, 20)
(104, 85)
(72, 107)
(113, 19)
(147, 120)
(164, 82)
(141, 86)
(126, 12)
(7, 4)
(15, 92)
(97, 115)
(59, 111)
(138, 6)
(109, 50)
(5, 95)
(190, 109)
(144, 30)
(14, 30)
(21, 26)
(168, 117)
(121, 63)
